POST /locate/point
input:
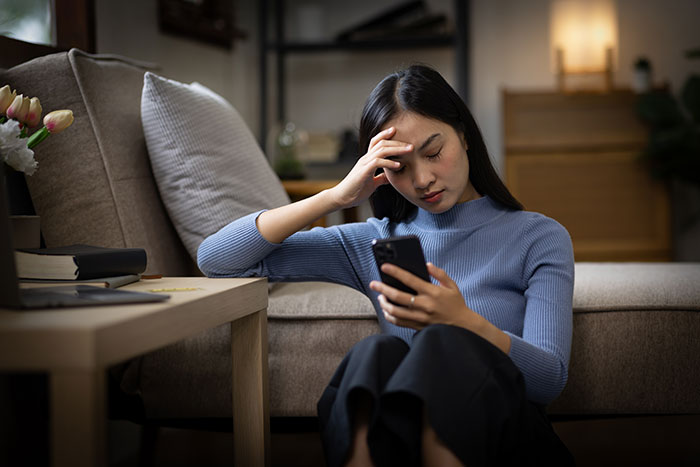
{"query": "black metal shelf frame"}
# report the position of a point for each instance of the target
(281, 48)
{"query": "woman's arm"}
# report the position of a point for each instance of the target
(542, 351)
(278, 224)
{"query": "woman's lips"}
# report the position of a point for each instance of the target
(433, 197)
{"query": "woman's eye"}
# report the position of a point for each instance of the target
(434, 156)
(399, 170)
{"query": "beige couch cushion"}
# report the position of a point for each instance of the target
(94, 183)
(636, 342)
(636, 286)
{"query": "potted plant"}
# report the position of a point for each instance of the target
(673, 154)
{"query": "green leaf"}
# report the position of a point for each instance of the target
(690, 96)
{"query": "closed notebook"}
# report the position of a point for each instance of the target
(109, 282)
(79, 262)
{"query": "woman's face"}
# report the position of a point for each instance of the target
(435, 175)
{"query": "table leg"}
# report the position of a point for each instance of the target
(251, 421)
(77, 418)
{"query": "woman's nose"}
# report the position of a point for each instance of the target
(422, 179)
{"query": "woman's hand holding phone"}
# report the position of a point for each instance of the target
(432, 304)
(363, 179)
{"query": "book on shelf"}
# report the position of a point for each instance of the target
(78, 262)
(108, 282)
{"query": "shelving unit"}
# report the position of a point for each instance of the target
(281, 48)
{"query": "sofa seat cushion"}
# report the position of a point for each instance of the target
(317, 300)
(635, 340)
(636, 286)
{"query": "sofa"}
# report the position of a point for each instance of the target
(635, 349)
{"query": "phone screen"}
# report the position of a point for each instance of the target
(404, 252)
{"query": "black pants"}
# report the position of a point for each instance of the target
(473, 394)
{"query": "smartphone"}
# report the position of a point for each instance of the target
(404, 252)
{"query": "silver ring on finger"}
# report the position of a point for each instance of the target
(413, 301)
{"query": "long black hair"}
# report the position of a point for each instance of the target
(422, 90)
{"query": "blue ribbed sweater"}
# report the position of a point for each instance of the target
(515, 268)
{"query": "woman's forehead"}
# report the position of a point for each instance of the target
(410, 125)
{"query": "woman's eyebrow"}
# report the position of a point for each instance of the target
(422, 146)
(428, 141)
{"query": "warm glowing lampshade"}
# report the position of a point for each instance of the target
(583, 35)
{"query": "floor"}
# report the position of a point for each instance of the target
(640, 441)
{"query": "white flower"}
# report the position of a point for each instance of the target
(13, 149)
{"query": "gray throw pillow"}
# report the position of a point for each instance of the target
(207, 164)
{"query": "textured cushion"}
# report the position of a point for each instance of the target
(635, 341)
(208, 167)
(94, 183)
(637, 286)
(317, 300)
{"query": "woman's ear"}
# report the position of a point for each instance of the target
(464, 141)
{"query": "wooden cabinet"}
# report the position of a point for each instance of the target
(575, 157)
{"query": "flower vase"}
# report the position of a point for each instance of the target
(26, 231)
(20, 201)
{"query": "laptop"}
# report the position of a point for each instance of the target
(12, 296)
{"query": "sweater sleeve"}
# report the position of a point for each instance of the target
(333, 254)
(542, 353)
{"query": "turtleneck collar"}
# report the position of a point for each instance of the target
(462, 215)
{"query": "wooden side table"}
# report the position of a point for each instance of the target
(76, 345)
(300, 189)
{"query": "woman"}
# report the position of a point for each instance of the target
(464, 367)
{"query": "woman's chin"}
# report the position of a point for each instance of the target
(436, 208)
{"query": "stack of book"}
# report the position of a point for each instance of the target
(91, 265)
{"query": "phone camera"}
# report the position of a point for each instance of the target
(386, 251)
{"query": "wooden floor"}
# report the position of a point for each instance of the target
(640, 441)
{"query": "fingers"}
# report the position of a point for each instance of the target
(401, 316)
(380, 179)
(383, 138)
(385, 134)
(395, 295)
(441, 276)
(386, 148)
